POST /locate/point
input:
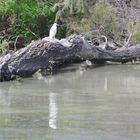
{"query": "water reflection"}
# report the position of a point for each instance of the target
(106, 84)
(4, 98)
(52, 111)
(99, 104)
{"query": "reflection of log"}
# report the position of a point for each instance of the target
(48, 54)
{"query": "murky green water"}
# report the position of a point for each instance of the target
(97, 104)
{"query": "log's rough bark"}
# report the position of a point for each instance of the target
(48, 54)
(42, 54)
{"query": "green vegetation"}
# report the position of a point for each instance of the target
(29, 17)
(80, 17)
(32, 19)
(133, 28)
(75, 7)
(105, 16)
(73, 14)
(4, 47)
(83, 16)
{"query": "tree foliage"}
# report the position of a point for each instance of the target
(30, 18)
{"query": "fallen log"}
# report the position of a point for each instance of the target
(46, 54)
(49, 54)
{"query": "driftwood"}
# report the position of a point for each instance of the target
(49, 54)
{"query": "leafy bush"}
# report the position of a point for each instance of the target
(75, 6)
(81, 26)
(133, 28)
(105, 16)
(72, 13)
(29, 18)
(3, 47)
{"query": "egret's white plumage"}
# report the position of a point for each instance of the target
(53, 31)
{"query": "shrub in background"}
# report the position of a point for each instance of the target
(134, 28)
(105, 16)
(29, 18)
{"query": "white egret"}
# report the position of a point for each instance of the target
(53, 30)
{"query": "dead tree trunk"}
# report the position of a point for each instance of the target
(48, 54)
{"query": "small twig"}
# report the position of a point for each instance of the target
(33, 33)
(118, 44)
(118, 4)
(128, 40)
(9, 41)
(15, 43)
(49, 3)
(3, 38)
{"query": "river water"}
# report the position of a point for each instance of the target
(101, 103)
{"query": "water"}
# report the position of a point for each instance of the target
(100, 103)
